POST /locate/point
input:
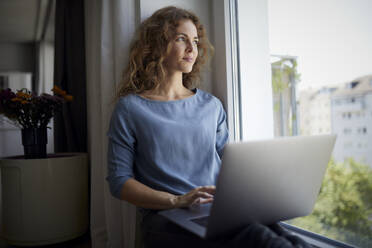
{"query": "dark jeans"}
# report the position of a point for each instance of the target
(158, 232)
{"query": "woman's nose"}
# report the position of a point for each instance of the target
(189, 46)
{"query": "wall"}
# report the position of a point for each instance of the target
(17, 57)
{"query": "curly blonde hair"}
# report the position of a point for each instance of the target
(146, 70)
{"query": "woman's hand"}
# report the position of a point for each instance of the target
(199, 195)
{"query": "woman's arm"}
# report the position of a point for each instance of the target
(143, 196)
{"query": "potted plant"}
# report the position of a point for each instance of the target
(32, 113)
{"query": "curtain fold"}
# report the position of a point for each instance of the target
(109, 27)
(70, 126)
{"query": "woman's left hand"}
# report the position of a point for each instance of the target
(197, 196)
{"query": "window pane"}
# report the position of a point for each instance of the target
(322, 83)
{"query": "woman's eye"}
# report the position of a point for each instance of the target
(180, 39)
(196, 42)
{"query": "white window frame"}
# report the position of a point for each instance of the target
(225, 69)
(249, 103)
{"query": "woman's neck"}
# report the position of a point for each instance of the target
(170, 89)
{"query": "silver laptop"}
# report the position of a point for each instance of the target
(261, 181)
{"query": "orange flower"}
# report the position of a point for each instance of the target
(58, 91)
(16, 99)
(23, 95)
(24, 102)
(68, 98)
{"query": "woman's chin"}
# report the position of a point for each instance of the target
(187, 70)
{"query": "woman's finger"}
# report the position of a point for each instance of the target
(199, 201)
(204, 194)
(204, 200)
(209, 189)
(200, 194)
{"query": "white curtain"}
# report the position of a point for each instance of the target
(109, 27)
(45, 67)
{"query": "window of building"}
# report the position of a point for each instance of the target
(362, 130)
(348, 145)
(347, 131)
(353, 84)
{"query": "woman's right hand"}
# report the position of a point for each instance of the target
(199, 195)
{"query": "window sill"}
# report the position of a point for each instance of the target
(314, 239)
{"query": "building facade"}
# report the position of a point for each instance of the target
(315, 111)
(345, 110)
(352, 120)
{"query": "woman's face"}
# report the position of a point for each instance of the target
(183, 48)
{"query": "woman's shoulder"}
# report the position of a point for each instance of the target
(124, 103)
(209, 97)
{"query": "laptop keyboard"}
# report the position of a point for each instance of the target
(202, 221)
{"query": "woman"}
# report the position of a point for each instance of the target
(166, 136)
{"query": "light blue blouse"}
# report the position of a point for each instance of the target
(172, 146)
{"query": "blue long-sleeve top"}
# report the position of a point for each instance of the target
(172, 146)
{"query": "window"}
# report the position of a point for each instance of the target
(348, 144)
(347, 131)
(307, 44)
(306, 49)
(362, 130)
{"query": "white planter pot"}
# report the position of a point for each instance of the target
(45, 201)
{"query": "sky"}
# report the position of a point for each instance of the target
(332, 39)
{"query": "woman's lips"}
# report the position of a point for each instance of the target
(188, 59)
